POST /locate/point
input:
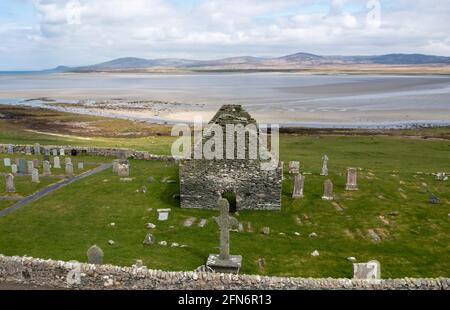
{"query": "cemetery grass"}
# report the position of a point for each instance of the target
(394, 185)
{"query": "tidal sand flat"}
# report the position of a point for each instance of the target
(284, 98)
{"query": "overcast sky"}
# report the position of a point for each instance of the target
(36, 34)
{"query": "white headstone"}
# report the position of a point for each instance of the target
(61, 152)
(56, 162)
(367, 271)
(352, 174)
(10, 187)
(55, 152)
(30, 166)
(80, 166)
(35, 176)
(163, 214)
(69, 169)
(47, 171)
(7, 162)
(299, 182)
(14, 169)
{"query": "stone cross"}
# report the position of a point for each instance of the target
(324, 171)
(299, 182)
(56, 162)
(14, 169)
(69, 169)
(37, 148)
(30, 166)
(47, 171)
(367, 271)
(225, 221)
(35, 176)
(95, 255)
(352, 174)
(294, 167)
(327, 190)
(10, 187)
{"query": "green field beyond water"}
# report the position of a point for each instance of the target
(394, 179)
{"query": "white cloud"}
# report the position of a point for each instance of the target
(220, 28)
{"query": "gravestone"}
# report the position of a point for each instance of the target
(69, 170)
(37, 148)
(324, 171)
(35, 176)
(95, 255)
(189, 221)
(47, 151)
(367, 271)
(352, 174)
(163, 214)
(14, 169)
(327, 190)
(115, 165)
(10, 187)
(10, 149)
(294, 167)
(61, 152)
(123, 170)
(28, 150)
(224, 262)
(30, 166)
(35, 163)
(17, 161)
(47, 172)
(149, 239)
(56, 162)
(299, 182)
(7, 162)
(2, 148)
(67, 160)
(22, 166)
(55, 152)
(80, 165)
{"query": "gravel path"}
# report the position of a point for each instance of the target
(50, 189)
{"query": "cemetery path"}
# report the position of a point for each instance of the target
(52, 188)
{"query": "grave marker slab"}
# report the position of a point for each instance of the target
(10, 149)
(299, 182)
(294, 167)
(28, 150)
(14, 169)
(7, 162)
(56, 162)
(37, 148)
(327, 190)
(80, 165)
(22, 166)
(35, 176)
(30, 167)
(367, 271)
(10, 187)
(352, 174)
(47, 171)
(324, 171)
(69, 170)
(95, 255)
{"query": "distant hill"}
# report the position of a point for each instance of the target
(250, 62)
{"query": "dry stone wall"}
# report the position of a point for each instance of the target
(59, 274)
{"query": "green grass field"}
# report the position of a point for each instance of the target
(395, 181)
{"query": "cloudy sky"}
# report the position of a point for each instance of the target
(36, 34)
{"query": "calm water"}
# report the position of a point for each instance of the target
(259, 92)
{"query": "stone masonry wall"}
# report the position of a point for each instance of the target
(54, 274)
(93, 151)
(202, 182)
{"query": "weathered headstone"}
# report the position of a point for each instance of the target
(56, 162)
(35, 163)
(69, 170)
(95, 255)
(47, 172)
(324, 171)
(61, 152)
(123, 170)
(14, 169)
(67, 160)
(22, 166)
(367, 271)
(7, 162)
(115, 165)
(352, 174)
(327, 190)
(37, 148)
(149, 239)
(10, 149)
(80, 165)
(55, 152)
(299, 182)
(30, 166)
(224, 262)
(28, 150)
(35, 176)
(294, 167)
(47, 151)
(189, 221)
(10, 187)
